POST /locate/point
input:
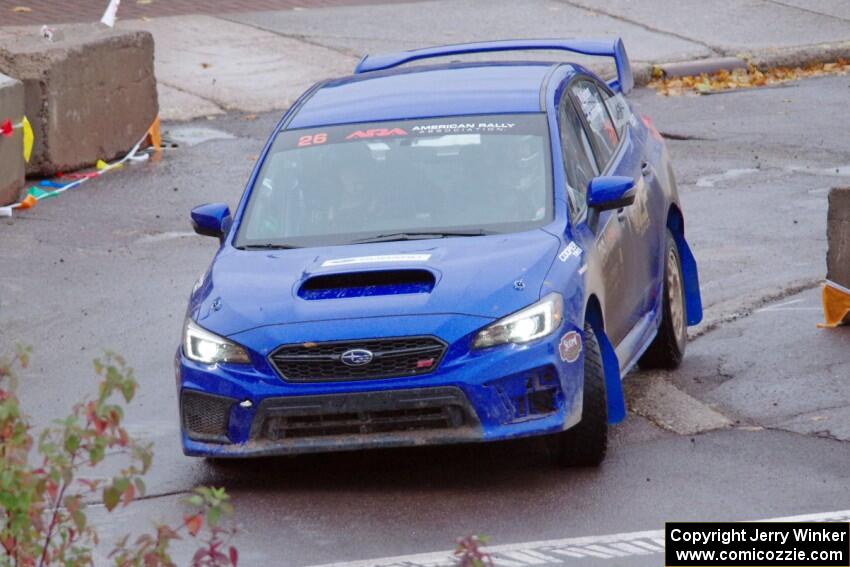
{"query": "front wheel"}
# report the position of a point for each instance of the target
(585, 444)
(668, 347)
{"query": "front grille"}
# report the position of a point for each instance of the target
(361, 423)
(391, 357)
(373, 413)
(205, 416)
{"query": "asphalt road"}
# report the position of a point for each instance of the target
(753, 426)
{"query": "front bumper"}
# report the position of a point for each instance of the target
(498, 393)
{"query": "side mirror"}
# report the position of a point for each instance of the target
(610, 192)
(212, 220)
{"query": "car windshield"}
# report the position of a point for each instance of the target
(426, 178)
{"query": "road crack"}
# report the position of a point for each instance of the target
(809, 10)
(685, 137)
(296, 37)
(714, 49)
(218, 104)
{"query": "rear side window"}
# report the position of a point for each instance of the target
(602, 128)
(618, 109)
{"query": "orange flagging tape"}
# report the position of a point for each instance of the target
(28, 202)
(836, 305)
(153, 136)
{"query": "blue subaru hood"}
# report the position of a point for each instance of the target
(245, 289)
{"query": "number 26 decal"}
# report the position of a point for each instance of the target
(312, 140)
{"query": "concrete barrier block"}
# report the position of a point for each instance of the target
(11, 154)
(838, 236)
(90, 95)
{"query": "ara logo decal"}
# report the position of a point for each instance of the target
(376, 133)
(571, 250)
(570, 347)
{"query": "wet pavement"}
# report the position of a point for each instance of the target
(111, 266)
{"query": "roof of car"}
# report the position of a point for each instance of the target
(453, 89)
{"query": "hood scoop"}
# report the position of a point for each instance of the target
(367, 284)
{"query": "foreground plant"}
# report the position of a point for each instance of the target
(470, 554)
(43, 495)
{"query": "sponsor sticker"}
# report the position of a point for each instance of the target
(463, 127)
(569, 251)
(376, 133)
(376, 259)
(428, 132)
(570, 347)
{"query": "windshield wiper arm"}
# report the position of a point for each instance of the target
(267, 246)
(422, 235)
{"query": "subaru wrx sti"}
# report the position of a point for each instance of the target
(440, 253)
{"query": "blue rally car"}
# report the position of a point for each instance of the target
(437, 254)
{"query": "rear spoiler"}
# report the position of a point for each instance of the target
(604, 48)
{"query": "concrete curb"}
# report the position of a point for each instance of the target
(798, 56)
(700, 66)
(762, 59)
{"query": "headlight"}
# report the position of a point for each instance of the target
(531, 323)
(202, 346)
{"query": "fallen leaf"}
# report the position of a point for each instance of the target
(193, 523)
(21, 9)
(205, 65)
(744, 78)
(144, 1)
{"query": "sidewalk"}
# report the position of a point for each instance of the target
(40, 12)
(238, 57)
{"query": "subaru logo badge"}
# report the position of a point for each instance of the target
(356, 357)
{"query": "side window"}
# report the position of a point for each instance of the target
(602, 129)
(618, 109)
(578, 155)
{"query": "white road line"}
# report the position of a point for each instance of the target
(786, 307)
(789, 309)
(566, 551)
(786, 303)
(648, 546)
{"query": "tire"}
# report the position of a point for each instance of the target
(585, 444)
(668, 348)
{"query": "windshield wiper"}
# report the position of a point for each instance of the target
(267, 246)
(422, 235)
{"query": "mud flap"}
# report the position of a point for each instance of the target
(613, 383)
(693, 299)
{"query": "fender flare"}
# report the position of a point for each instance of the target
(690, 273)
(611, 365)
